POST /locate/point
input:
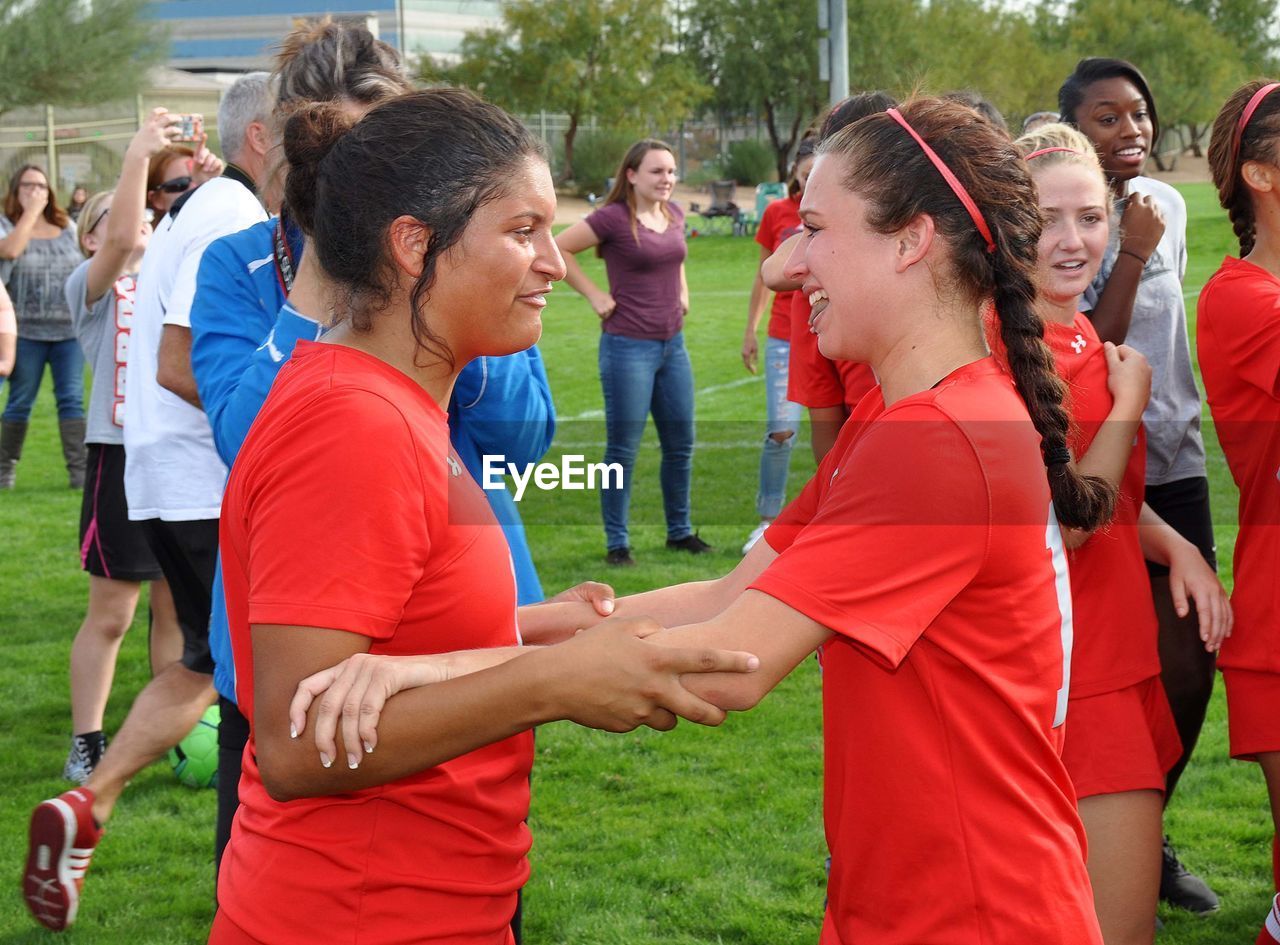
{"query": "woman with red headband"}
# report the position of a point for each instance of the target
(1238, 338)
(950, 816)
(1121, 740)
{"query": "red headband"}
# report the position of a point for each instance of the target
(1249, 109)
(952, 181)
(1036, 154)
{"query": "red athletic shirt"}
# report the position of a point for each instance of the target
(1238, 339)
(813, 379)
(779, 222)
(346, 509)
(1115, 618)
(928, 544)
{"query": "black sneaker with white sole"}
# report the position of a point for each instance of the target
(86, 751)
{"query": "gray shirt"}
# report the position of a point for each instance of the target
(1175, 448)
(35, 281)
(103, 332)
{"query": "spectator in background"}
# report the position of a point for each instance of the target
(8, 335)
(113, 550)
(78, 198)
(177, 170)
(1037, 120)
(781, 220)
(173, 483)
(980, 104)
(644, 367)
(38, 250)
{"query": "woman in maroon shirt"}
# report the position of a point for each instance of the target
(644, 367)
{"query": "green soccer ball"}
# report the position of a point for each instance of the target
(195, 758)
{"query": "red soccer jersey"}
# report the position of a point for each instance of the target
(1115, 618)
(813, 379)
(780, 221)
(1238, 338)
(347, 510)
(928, 544)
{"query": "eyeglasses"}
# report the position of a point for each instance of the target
(148, 216)
(179, 185)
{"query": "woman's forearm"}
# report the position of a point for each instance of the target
(578, 280)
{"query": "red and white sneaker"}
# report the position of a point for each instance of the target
(62, 839)
(1271, 928)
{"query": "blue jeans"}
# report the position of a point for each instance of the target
(67, 362)
(640, 377)
(783, 417)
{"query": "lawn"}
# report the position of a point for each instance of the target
(694, 836)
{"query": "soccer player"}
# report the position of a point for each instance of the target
(925, 557)
(1238, 339)
(1121, 739)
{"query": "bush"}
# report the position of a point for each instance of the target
(749, 162)
(596, 156)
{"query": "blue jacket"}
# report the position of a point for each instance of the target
(242, 332)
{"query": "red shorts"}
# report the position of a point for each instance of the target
(1253, 712)
(814, 380)
(1121, 741)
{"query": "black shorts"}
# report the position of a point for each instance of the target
(1184, 504)
(188, 554)
(111, 546)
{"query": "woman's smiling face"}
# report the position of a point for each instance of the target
(1117, 119)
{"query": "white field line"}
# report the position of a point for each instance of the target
(597, 414)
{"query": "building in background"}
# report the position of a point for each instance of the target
(232, 36)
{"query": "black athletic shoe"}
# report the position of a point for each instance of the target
(620, 557)
(1182, 888)
(86, 752)
(690, 543)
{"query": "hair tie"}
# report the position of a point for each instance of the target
(1245, 115)
(1036, 154)
(952, 181)
(1058, 456)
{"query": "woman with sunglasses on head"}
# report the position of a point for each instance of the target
(950, 816)
(1238, 341)
(113, 550)
(38, 250)
(1136, 299)
(1120, 735)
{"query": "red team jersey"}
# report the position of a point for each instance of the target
(1238, 339)
(1114, 615)
(780, 221)
(813, 379)
(346, 509)
(928, 544)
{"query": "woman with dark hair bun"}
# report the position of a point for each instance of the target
(351, 528)
(1136, 299)
(1238, 341)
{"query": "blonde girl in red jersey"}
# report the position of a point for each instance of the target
(925, 556)
(1121, 738)
(1238, 338)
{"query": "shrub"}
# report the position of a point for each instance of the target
(749, 162)
(596, 156)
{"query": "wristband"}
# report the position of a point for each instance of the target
(1129, 252)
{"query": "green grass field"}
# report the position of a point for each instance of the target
(694, 836)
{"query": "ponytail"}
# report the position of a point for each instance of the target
(896, 176)
(1230, 146)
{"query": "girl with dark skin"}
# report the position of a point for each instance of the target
(1137, 300)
